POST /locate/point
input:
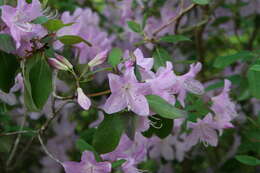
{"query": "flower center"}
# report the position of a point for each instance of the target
(22, 22)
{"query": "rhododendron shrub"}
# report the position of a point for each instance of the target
(129, 86)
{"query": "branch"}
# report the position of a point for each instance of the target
(172, 20)
(46, 150)
(16, 133)
(16, 143)
(99, 94)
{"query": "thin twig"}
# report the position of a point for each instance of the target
(172, 20)
(16, 133)
(17, 141)
(46, 150)
(99, 94)
(45, 126)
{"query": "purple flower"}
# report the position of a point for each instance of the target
(202, 131)
(187, 82)
(145, 63)
(222, 105)
(19, 20)
(87, 164)
(162, 82)
(162, 147)
(83, 100)
(127, 92)
(86, 25)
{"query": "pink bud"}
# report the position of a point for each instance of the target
(57, 64)
(83, 100)
(99, 59)
(63, 60)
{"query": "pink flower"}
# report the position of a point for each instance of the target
(162, 147)
(83, 100)
(127, 92)
(87, 164)
(188, 83)
(162, 82)
(145, 63)
(19, 20)
(203, 131)
(223, 106)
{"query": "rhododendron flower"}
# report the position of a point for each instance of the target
(19, 20)
(87, 164)
(203, 131)
(223, 106)
(83, 100)
(162, 82)
(162, 147)
(145, 63)
(127, 92)
(187, 82)
(130, 166)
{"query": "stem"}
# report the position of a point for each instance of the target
(46, 150)
(99, 94)
(172, 20)
(18, 132)
(17, 141)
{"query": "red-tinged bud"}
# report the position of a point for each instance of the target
(64, 61)
(57, 64)
(99, 59)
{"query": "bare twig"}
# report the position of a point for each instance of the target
(99, 94)
(18, 132)
(46, 150)
(17, 141)
(172, 20)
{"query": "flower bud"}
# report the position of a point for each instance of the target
(57, 64)
(83, 100)
(63, 60)
(99, 59)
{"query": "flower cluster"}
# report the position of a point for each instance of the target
(109, 79)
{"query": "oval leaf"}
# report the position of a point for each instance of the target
(8, 67)
(115, 57)
(163, 108)
(72, 39)
(248, 160)
(108, 134)
(7, 43)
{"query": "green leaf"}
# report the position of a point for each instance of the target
(38, 82)
(254, 80)
(163, 108)
(136, 27)
(72, 39)
(108, 134)
(40, 20)
(174, 38)
(248, 160)
(115, 57)
(81, 145)
(224, 61)
(8, 68)
(7, 43)
(161, 56)
(54, 25)
(201, 2)
(118, 163)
